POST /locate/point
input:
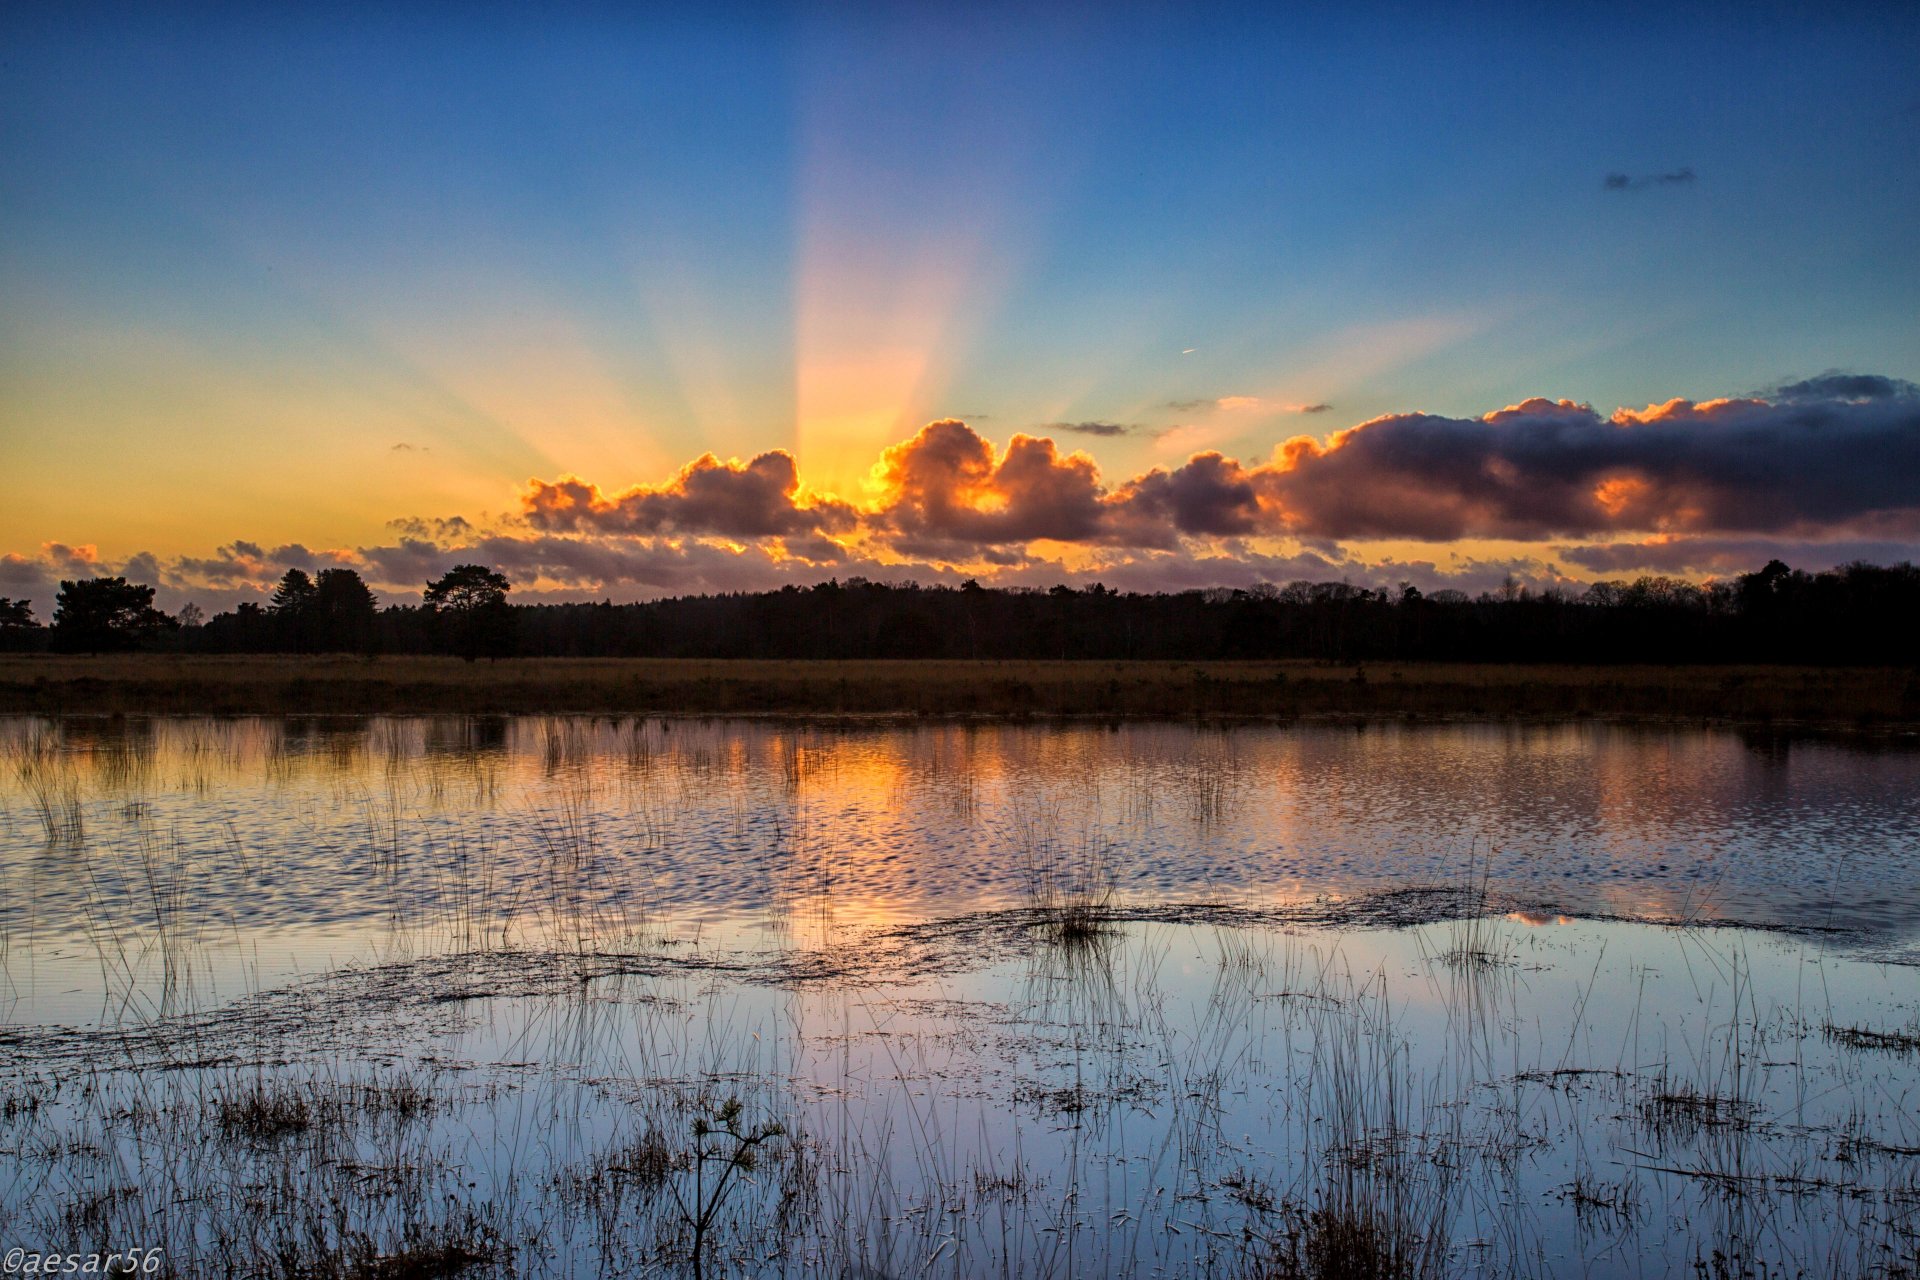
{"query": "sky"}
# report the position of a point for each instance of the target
(649, 301)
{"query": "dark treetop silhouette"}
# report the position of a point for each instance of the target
(1856, 614)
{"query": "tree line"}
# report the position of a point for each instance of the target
(1855, 614)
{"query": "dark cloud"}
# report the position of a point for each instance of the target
(1089, 428)
(442, 527)
(814, 549)
(240, 562)
(1819, 470)
(1824, 453)
(1546, 469)
(1713, 555)
(22, 571)
(1840, 386)
(1626, 182)
(1211, 495)
(756, 499)
(1315, 408)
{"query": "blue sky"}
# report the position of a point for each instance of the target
(248, 254)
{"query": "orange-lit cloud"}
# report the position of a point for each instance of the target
(947, 485)
(756, 499)
(1552, 468)
(1816, 473)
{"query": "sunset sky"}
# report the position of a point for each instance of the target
(1163, 296)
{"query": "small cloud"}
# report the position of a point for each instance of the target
(404, 447)
(1089, 428)
(1627, 182)
(1243, 404)
(436, 528)
(1850, 388)
(1187, 351)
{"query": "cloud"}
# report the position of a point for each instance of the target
(1817, 471)
(1211, 495)
(1625, 182)
(18, 571)
(1726, 556)
(1546, 468)
(1852, 388)
(1089, 428)
(756, 499)
(1244, 404)
(947, 485)
(442, 527)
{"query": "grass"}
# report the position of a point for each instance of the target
(266, 684)
(720, 1118)
(631, 1135)
(1677, 1109)
(1905, 1040)
(1071, 884)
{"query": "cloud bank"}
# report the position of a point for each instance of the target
(1817, 471)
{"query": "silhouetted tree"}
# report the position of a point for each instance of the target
(105, 615)
(471, 614)
(292, 608)
(342, 612)
(1856, 613)
(19, 629)
(248, 629)
(294, 593)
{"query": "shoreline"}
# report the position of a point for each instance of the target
(1832, 698)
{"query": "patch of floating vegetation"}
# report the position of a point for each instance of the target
(1905, 1040)
(548, 1074)
(1191, 1092)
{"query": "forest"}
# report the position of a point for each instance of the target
(1857, 614)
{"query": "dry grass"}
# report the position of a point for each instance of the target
(161, 683)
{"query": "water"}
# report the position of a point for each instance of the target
(567, 938)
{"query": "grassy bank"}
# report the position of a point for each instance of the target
(165, 684)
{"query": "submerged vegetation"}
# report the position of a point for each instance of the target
(547, 1056)
(1276, 1113)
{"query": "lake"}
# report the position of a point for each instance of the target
(579, 996)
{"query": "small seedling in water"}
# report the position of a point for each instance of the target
(718, 1138)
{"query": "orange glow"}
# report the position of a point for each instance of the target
(1617, 494)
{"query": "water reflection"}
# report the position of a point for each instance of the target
(442, 833)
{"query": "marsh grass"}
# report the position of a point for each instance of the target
(1071, 884)
(261, 1110)
(629, 1137)
(1904, 1040)
(1679, 1109)
(1286, 1119)
(1476, 935)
